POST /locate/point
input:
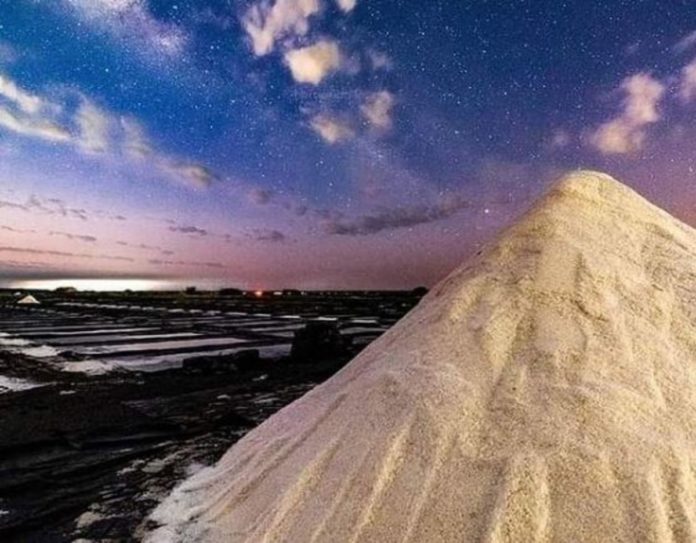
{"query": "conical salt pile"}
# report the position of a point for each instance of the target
(545, 391)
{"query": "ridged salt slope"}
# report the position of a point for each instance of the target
(544, 391)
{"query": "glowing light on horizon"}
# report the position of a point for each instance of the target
(102, 285)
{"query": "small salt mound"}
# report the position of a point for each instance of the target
(544, 391)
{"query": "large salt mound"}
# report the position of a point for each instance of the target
(544, 391)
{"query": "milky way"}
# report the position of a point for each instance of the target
(321, 143)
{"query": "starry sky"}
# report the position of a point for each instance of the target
(321, 143)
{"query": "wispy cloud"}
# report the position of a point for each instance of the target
(686, 43)
(132, 21)
(626, 132)
(268, 235)
(312, 64)
(135, 143)
(28, 114)
(687, 83)
(135, 140)
(76, 237)
(560, 139)
(47, 206)
(146, 247)
(267, 22)
(331, 129)
(48, 252)
(188, 263)
(93, 130)
(26, 101)
(394, 218)
(56, 206)
(8, 53)
(32, 126)
(259, 196)
(94, 126)
(379, 60)
(16, 230)
(189, 230)
(193, 175)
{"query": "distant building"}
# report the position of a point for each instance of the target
(28, 300)
(419, 291)
(231, 292)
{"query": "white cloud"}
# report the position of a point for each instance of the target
(346, 5)
(32, 126)
(626, 132)
(26, 101)
(377, 109)
(314, 63)
(331, 130)
(687, 42)
(132, 20)
(266, 22)
(94, 126)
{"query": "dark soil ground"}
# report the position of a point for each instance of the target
(88, 457)
(85, 458)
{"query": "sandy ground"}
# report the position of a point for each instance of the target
(543, 392)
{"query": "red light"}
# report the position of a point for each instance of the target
(258, 293)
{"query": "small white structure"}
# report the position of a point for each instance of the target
(28, 300)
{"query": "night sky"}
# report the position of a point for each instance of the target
(321, 143)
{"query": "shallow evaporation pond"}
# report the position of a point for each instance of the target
(11, 341)
(39, 351)
(364, 321)
(277, 327)
(76, 340)
(180, 344)
(87, 325)
(89, 332)
(173, 361)
(255, 323)
(363, 330)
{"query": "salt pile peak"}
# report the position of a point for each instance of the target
(544, 391)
